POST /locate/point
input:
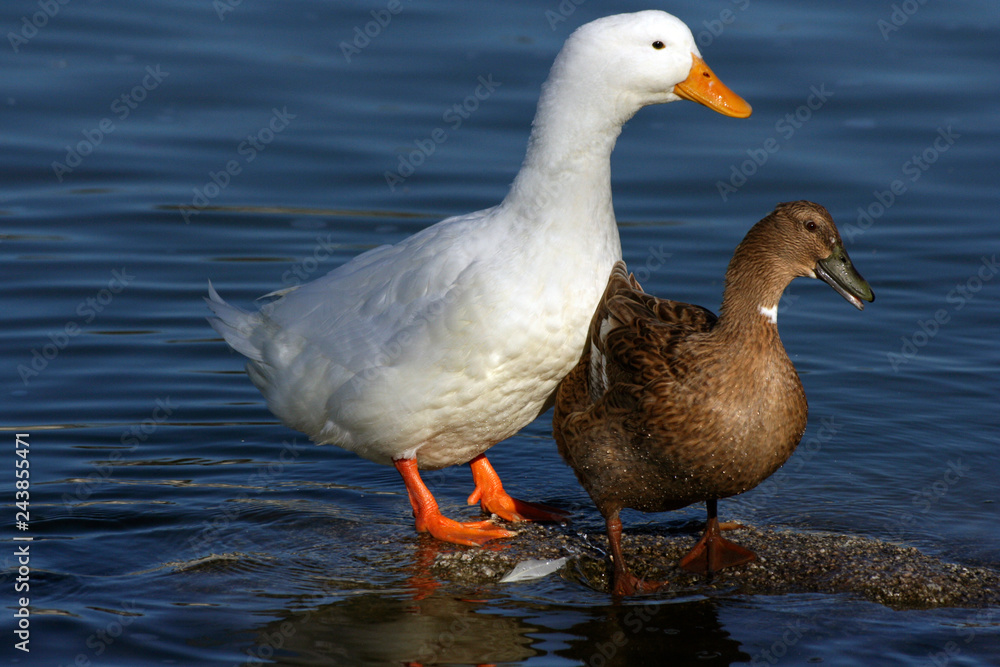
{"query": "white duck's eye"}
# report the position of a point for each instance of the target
(657, 45)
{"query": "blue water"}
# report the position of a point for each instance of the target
(152, 146)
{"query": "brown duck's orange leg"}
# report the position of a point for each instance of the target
(430, 520)
(713, 552)
(623, 581)
(492, 498)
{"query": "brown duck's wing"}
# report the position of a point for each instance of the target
(646, 306)
(577, 393)
(684, 315)
(634, 336)
(632, 339)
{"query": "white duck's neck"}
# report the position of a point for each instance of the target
(565, 179)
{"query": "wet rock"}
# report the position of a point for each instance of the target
(787, 562)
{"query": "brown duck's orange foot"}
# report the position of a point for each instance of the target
(428, 517)
(713, 553)
(623, 581)
(493, 499)
(731, 525)
(629, 584)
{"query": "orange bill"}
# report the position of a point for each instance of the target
(703, 87)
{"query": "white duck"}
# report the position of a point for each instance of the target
(426, 353)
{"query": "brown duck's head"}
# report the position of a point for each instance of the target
(812, 247)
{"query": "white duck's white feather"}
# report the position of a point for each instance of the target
(455, 338)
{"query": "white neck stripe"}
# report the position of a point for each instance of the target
(770, 313)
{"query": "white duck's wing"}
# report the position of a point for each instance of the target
(354, 312)
(366, 334)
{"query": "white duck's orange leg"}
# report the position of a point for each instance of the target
(492, 498)
(430, 520)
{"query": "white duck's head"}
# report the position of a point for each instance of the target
(607, 70)
(634, 60)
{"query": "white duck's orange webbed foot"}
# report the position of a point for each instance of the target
(471, 533)
(493, 499)
(428, 518)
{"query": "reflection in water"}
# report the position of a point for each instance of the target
(444, 629)
(380, 629)
(435, 623)
(630, 634)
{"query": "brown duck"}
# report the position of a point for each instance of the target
(671, 405)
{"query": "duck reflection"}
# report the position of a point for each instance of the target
(426, 621)
(375, 628)
(675, 634)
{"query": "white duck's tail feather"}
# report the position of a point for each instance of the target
(235, 325)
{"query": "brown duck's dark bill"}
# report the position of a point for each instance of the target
(838, 272)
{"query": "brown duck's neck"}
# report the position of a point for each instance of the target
(755, 282)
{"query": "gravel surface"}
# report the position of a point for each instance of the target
(897, 576)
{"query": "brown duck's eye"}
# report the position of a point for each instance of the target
(657, 45)
(811, 226)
